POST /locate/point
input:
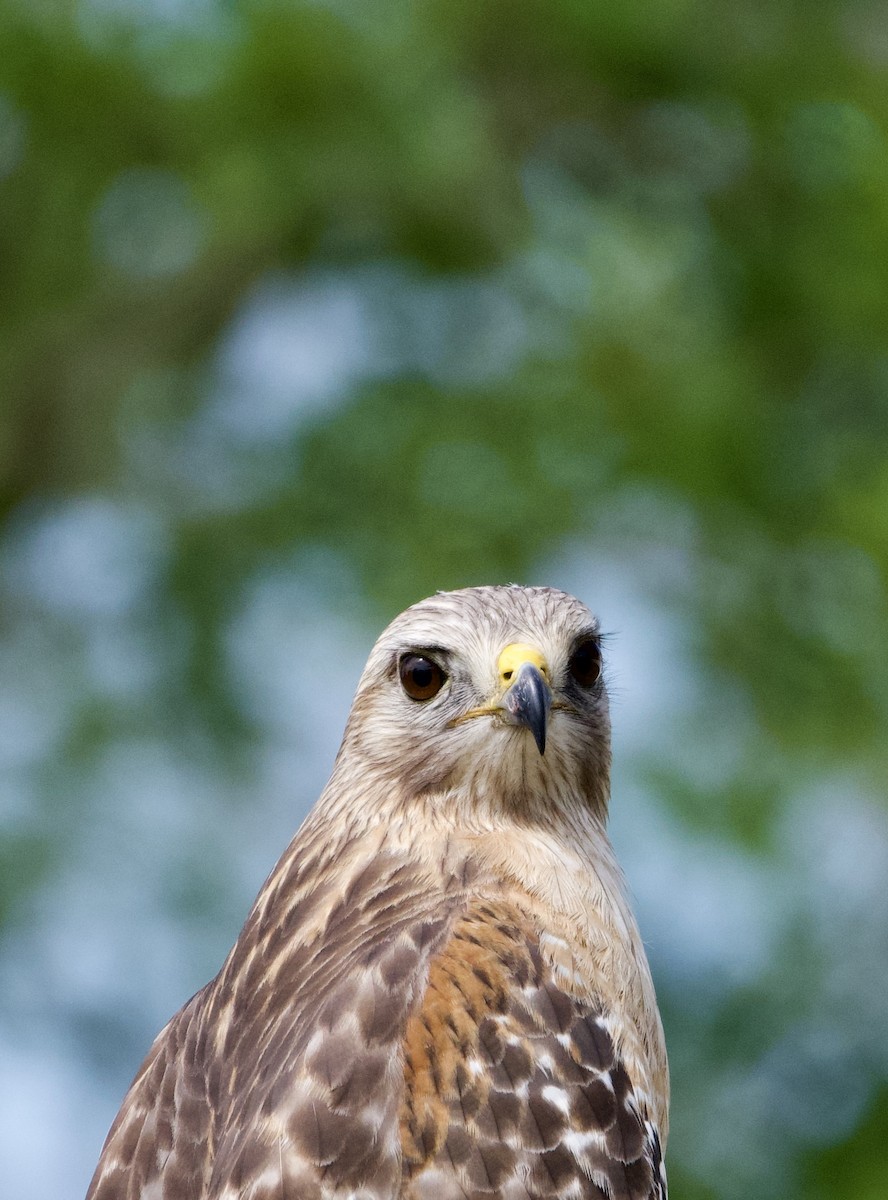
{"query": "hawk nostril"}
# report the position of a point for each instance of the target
(514, 657)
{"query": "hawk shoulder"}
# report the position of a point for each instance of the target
(515, 1087)
(285, 1071)
(165, 1123)
(418, 1047)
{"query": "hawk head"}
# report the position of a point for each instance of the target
(493, 694)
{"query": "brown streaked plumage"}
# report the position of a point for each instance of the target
(440, 992)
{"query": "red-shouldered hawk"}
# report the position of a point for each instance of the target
(440, 992)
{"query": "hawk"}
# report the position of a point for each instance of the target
(440, 992)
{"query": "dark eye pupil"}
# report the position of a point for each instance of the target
(585, 663)
(422, 674)
(421, 678)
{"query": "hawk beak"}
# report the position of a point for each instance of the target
(529, 700)
(525, 697)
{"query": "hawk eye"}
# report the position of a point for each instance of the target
(421, 678)
(585, 663)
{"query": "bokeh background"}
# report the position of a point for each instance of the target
(309, 309)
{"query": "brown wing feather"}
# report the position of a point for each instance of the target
(514, 1088)
(164, 1126)
(283, 1077)
(417, 1047)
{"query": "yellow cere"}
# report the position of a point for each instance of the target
(514, 656)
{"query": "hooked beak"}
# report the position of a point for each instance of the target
(528, 702)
